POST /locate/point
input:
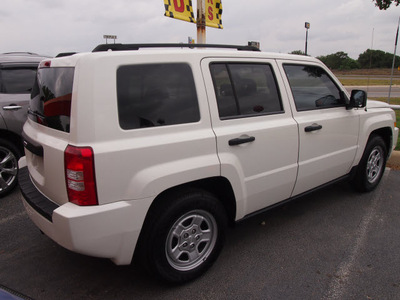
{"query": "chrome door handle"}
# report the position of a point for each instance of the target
(12, 107)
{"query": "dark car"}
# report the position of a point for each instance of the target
(17, 75)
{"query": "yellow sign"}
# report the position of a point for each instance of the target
(179, 9)
(213, 13)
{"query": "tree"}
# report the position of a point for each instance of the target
(385, 4)
(299, 52)
(339, 61)
(376, 59)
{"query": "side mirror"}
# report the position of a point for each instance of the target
(358, 99)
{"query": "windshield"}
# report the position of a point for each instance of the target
(51, 98)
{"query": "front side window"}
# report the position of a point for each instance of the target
(245, 89)
(156, 95)
(51, 98)
(312, 88)
(18, 80)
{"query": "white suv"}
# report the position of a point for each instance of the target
(155, 151)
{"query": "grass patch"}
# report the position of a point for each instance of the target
(366, 82)
(397, 102)
(367, 72)
(365, 77)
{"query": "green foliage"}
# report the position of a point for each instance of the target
(339, 61)
(377, 59)
(385, 4)
(299, 52)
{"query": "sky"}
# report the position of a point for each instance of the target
(49, 27)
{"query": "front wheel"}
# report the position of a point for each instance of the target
(372, 165)
(184, 236)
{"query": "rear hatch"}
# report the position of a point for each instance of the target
(46, 133)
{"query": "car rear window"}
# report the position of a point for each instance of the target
(51, 98)
(156, 95)
(17, 80)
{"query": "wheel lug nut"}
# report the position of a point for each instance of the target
(185, 235)
(193, 231)
(185, 245)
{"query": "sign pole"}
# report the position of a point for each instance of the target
(201, 22)
(394, 59)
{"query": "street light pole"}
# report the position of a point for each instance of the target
(307, 26)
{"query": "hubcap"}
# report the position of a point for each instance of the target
(191, 240)
(374, 164)
(8, 168)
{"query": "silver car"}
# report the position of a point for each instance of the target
(17, 75)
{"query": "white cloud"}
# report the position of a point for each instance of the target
(49, 27)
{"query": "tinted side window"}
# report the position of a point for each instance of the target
(17, 80)
(312, 87)
(155, 95)
(245, 89)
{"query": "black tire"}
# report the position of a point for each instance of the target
(9, 156)
(372, 165)
(183, 235)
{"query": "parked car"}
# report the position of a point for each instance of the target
(17, 74)
(155, 152)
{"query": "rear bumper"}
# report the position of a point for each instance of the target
(108, 231)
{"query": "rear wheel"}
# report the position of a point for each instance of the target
(372, 165)
(9, 155)
(184, 236)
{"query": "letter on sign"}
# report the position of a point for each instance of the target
(214, 12)
(179, 9)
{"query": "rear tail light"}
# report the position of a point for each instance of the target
(45, 64)
(79, 175)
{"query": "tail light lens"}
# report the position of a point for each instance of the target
(45, 64)
(80, 176)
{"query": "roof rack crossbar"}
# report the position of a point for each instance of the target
(127, 47)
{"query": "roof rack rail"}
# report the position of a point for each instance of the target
(62, 54)
(20, 53)
(126, 47)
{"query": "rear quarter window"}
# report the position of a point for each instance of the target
(156, 95)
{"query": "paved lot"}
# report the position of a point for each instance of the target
(333, 244)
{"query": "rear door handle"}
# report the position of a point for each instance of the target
(239, 141)
(313, 127)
